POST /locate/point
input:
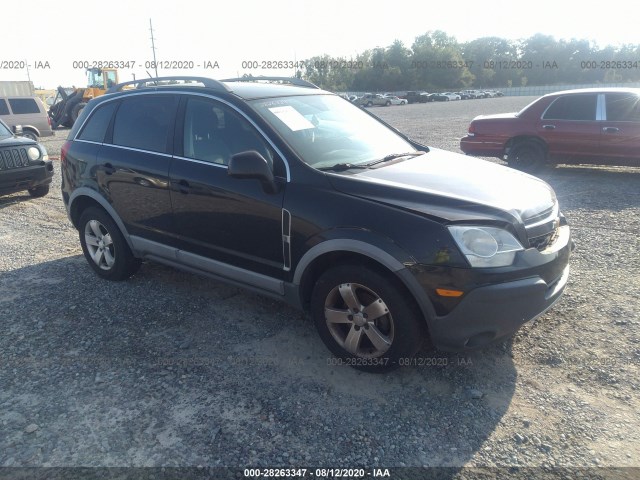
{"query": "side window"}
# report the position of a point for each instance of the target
(213, 132)
(23, 105)
(623, 107)
(144, 121)
(4, 109)
(96, 127)
(572, 107)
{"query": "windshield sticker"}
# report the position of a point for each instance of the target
(291, 118)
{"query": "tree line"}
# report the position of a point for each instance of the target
(437, 61)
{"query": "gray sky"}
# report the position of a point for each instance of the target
(276, 30)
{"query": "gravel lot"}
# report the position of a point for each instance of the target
(170, 369)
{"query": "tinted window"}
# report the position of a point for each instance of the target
(4, 109)
(23, 105)
(214, 132)
(572, 107)
(623, 107)
(143, 122)
(96, 127)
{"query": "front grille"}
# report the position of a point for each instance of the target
(542, 228)
(13, 157)
(543, 241)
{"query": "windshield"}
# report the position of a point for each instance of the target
(4, 131)
(325, 130)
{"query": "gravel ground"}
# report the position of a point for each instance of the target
(170, 369)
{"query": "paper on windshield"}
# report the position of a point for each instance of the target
(291, 118)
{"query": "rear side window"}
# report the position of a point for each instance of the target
(23, 105)
(572, 107)
(144, 121)
(96, 127)
(623, 107)
(4, 109)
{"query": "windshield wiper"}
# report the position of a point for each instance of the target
(341, 167)
(393, 156)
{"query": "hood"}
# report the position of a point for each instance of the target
(451, 186)
(9, 141)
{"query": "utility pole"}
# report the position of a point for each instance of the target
(153, 47)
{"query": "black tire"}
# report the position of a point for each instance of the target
(75, 111)
(398, 329)
(30, 134)
(107, 253)
(369, 104)
(387, 104)
(39, 191)
(527, 155)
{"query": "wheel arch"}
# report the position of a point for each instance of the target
(335, 252)
(83, 198)
(32, 128)
(526, 138)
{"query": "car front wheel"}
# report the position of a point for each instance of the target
(365, 319)
(104, 246)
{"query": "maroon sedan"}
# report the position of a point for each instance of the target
(596, 126)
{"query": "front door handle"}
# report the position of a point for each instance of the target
(610, 129)
(183, 186)
(549, 127)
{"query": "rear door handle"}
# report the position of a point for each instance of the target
(549, 127)
(108, 169)
(610, 129)
(183, 186)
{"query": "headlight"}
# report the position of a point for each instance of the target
(33, 153)
(486, 246)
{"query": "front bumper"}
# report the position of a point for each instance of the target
(25, 178)
(499, 301)
(489, 313)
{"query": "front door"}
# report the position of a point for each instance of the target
(569, 126)
(231, 221)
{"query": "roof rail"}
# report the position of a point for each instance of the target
(292, 80)
(142, 83)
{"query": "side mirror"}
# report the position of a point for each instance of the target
(17, 130)
(252, 165)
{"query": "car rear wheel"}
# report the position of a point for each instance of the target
(527, 156)
(104, 246)
(365, 319)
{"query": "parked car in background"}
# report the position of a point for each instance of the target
(598, 126)
(397, 101)
(463, 95)
(24, 164)
(417, 97)
(27, 112)
(371, 99)
(451, 96)
(438, 97)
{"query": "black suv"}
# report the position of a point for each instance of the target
(294, 193)
(24, 165)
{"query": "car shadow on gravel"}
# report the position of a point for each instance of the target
(8, 200)
(170, 369)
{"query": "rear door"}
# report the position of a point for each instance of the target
(569, 126)
(133, 163)
(620, 138)
(228, 220)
